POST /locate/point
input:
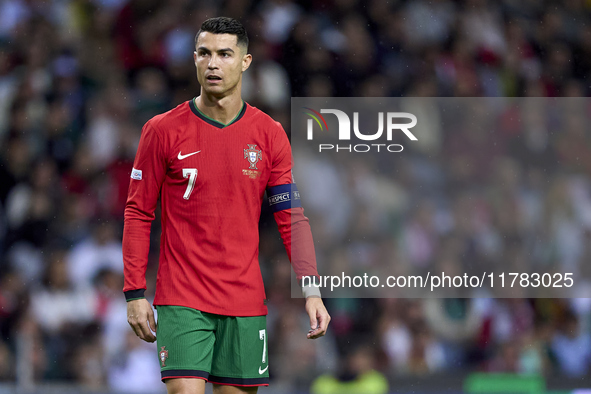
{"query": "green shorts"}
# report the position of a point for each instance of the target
(221, 349)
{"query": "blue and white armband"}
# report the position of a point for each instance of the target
(284, 197)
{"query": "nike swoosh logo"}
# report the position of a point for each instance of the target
(262, 371)
(181, 157)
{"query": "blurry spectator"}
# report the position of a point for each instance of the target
(13, 12)
(86, 360)
(507, 359)
(30, 206)
(13, 301)
(295, 361)
(102, 134)
(482, 25)
(358, 376)
(420, 238)
(6, 363)
(151, 94)
(61, 311)
(77, 179)
(266, 83)
(135, 369)
(16, 161)
(279, 16)
(572, 347)
(100, 250)
(429, 22)
(426, 354)
(456, 323)
(563, 224)
(13, 307)
(33, 353)
(139, 44)
(511, 318)
(111, 312)
(58, 304)
(534, 357)
(408, 342)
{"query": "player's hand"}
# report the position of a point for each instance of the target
(140, 317)
(319, 317)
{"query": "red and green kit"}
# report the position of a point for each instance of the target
(211, 179)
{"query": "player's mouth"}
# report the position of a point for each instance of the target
(213, 79)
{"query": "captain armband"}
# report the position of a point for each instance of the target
(284, 197)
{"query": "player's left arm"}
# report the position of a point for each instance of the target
(295, 231)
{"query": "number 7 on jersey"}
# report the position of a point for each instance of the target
(190, 173)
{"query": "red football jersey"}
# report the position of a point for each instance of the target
(211, 180)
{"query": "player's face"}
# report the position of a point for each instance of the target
(220, 63)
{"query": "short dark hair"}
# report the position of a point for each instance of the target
(225, 25)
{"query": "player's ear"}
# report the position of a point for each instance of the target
(195, 57)
(246, 60)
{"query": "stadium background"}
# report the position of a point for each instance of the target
(78, 78)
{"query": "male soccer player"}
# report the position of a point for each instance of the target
(210, 161)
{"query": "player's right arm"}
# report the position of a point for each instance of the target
(149, 170)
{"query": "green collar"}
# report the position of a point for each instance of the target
(214, 122)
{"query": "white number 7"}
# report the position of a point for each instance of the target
(263, 337)
(190, 173)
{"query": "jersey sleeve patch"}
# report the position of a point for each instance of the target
(136, 174)
(284, 197)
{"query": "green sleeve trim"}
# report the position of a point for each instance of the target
(133, 299)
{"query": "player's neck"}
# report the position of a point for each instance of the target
(223, 110)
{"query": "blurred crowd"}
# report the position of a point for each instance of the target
(497, 188)
(78, 79)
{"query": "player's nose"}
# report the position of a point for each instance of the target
(213, 62)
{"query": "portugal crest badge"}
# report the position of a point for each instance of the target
(253, 155)
(163, 355)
